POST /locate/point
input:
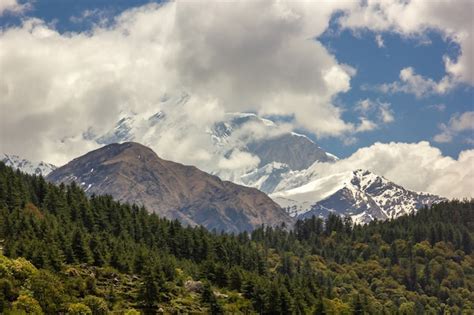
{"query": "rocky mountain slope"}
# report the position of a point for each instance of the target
(27, 166)
(360, 194)
(131, 172)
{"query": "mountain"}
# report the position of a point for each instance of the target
(26, 166)
(286, 165)
(131, 172)
(279, 153)
(278, 150)
(360, 194)
(299, 152)
(293, 149)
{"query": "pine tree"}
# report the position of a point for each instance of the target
(148, 294)
(235, 281)
(358, 308)
(80, 247)
(319, 307)
(466, 242)
(97, 251)
(208, 297)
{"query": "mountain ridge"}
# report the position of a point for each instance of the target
(360, 194)
(286, 162)
(134, 173)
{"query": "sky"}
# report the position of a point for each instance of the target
(366, 80)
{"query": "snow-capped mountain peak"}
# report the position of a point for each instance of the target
(26, 166)
(278, 151)
(286, 164)
(360, 194)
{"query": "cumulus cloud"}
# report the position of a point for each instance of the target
(366, 125)
(238, 160)
(386, 114)
(457, 123)
(254, 56)
(379, 41)
(262, 56)
(416, 166)
(381, 110)
(12, 6)
(91, 17)
(249, 56)
(412, 83)
(413, 19)
(257, 130)
(438, 107)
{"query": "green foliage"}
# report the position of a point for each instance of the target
(27, 304)
(78, 309)
(48, 291)
(149, 294)
(97, 305)
(131, 312)
(68, 253)
(208, 297)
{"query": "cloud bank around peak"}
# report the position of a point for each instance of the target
(255, 56)
(249, 56)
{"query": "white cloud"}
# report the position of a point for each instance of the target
(365, 106)
(350, 140)
(416, 166)
(413, 19)
(438, 107)
(379, 41)
(94, 16)
(12, 6)
(382, 110)
(243, 56)
(412, 83)
(366, 125)
(386, 114)
(261, 56)
(249, 56)
(239, 160)
(457, 124)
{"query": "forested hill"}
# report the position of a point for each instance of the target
(67, 253)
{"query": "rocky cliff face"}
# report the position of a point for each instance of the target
(131, 172)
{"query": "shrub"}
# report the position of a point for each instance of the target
(27, 304)
(79, 309)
